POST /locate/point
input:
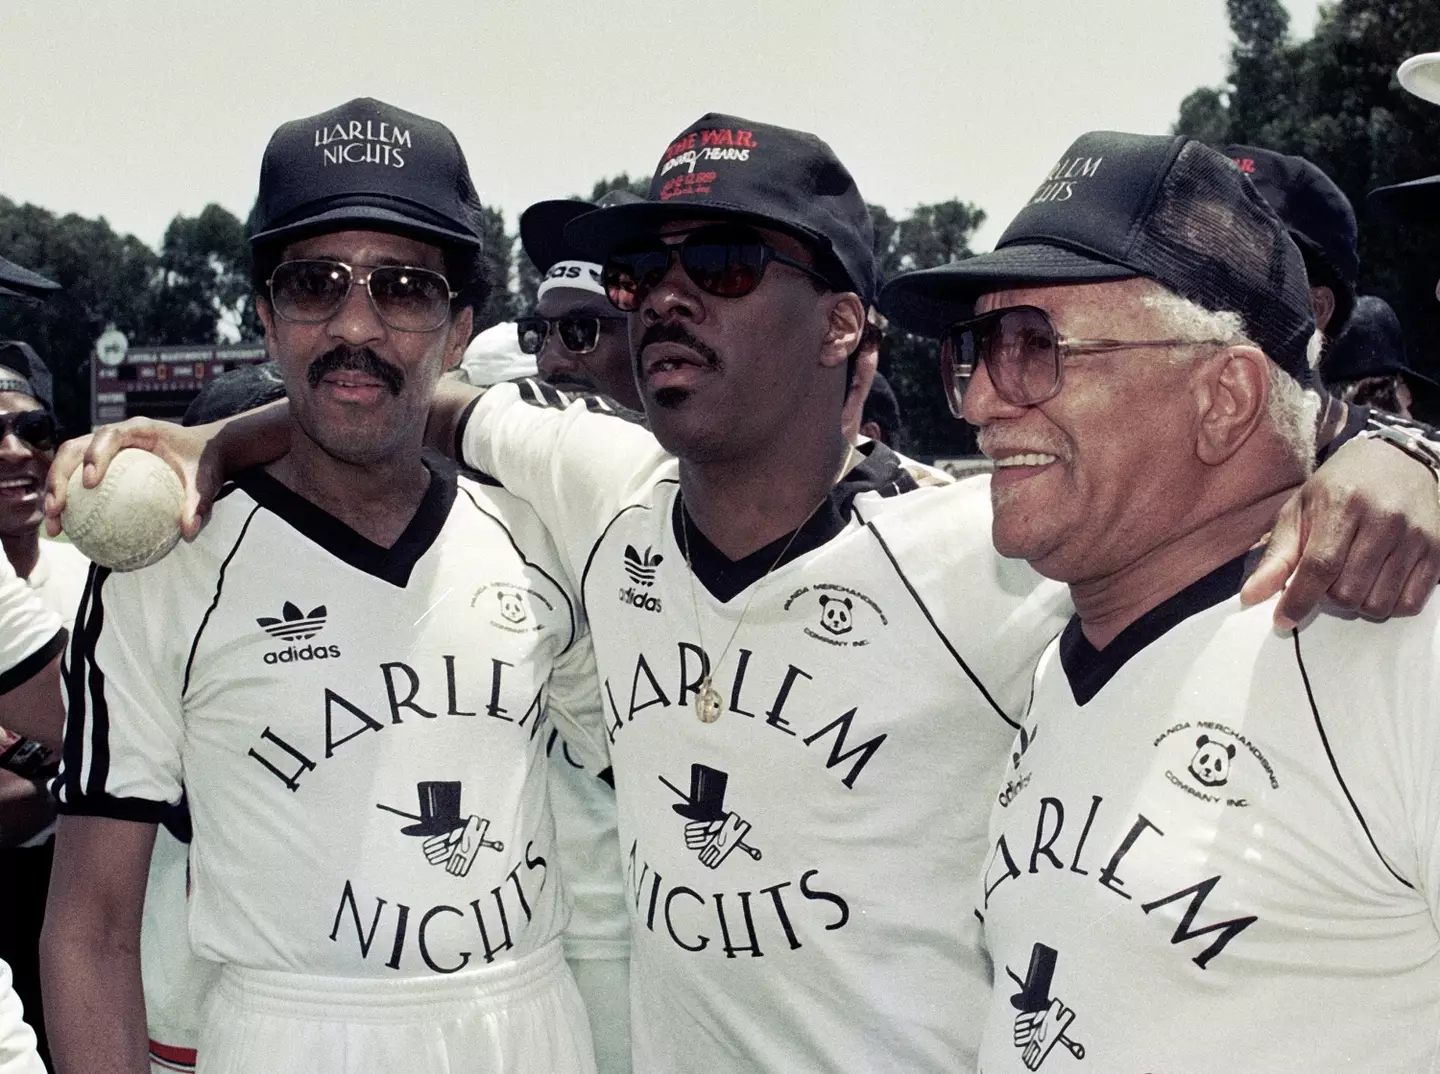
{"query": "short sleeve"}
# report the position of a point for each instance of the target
(124, 725)
(30, 635)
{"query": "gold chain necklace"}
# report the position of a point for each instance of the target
(708, 702)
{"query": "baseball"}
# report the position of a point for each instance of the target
(132, 518)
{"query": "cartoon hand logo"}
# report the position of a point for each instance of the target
(450, 842)
(1042, 1021)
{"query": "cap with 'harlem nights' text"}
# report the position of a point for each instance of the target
(370, 165)
(1117, 206)
(728, 167)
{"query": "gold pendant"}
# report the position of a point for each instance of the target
(707, 702)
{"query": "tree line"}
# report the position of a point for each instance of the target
(1332, 98)
(196, 289)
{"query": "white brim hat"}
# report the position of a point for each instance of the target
(1421, 76)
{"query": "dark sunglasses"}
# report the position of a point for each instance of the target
(405, 298)
(578, 335)
(721, 260)
(1023, 354)
(35, 427)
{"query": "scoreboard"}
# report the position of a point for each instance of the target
(157, 382)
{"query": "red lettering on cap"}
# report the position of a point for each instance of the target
(1245, 164)
(681, 145)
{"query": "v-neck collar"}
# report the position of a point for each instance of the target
(1088, 669)
(879, 470)
(392, 564)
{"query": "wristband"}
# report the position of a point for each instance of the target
(1416, 447)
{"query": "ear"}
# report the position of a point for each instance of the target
(1322, 302)
(843, 329)
(1232, 390)
(267, 318)
(1202, 740)
(459, 338)
(1230, 749)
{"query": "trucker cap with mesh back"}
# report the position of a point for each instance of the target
(1118, 206)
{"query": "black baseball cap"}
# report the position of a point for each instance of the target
(24, 371)
(1317, 212)
(727, 167)
(17, 281)
(1117, 206)
(542, 226)
(366, 164)
(882, 407)
(235, 391)
(1372, 346)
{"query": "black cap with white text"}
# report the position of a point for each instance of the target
(1118, 206)
(368, 165)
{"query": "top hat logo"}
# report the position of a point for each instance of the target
(707, 794)
(439, 808)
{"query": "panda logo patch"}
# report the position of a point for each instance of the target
(1211, 763)
(835, 614)
(512, 605)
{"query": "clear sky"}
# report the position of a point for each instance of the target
(142, 110)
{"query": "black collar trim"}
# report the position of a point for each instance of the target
(880, 470)
(1089, 669)
(392, 564)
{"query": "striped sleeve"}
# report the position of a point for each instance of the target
(30, 635)
(124, 724)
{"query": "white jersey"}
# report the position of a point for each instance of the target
(31, 635)
(1218, 850)
(360, 730)
(59, 578)
(792, 868)
(17, 1039)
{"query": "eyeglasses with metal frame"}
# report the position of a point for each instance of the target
(406, 298)
(1023, 354)
(578, 334)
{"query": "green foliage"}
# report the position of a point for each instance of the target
(932, 235)
(196, 289)
(1334, 100)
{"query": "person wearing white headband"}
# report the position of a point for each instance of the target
(574, 333)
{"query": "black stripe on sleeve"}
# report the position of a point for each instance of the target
(140, 810)
(86, 715)
(938, 632)
(1334, 767)
(215, 601)
(31, 666)
(461, 426)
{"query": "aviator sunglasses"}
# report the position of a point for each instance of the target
(722, 260)
(578, 335)
(405, 298)
(1023, 354)
(35, 427)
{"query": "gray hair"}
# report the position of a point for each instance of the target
(1293, 408)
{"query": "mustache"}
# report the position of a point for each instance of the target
(674, 332)
(360, 359)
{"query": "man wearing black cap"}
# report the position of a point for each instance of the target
(55, 570)
(577, 337)
(809, 682)
(1319, 218)
(349, 669)
(1212, 835)
(1367, 364)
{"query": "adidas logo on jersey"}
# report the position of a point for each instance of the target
(644, 601)
(294, 625)
(641, 568)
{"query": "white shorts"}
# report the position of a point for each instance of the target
(176, 980)
(522, 1017)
